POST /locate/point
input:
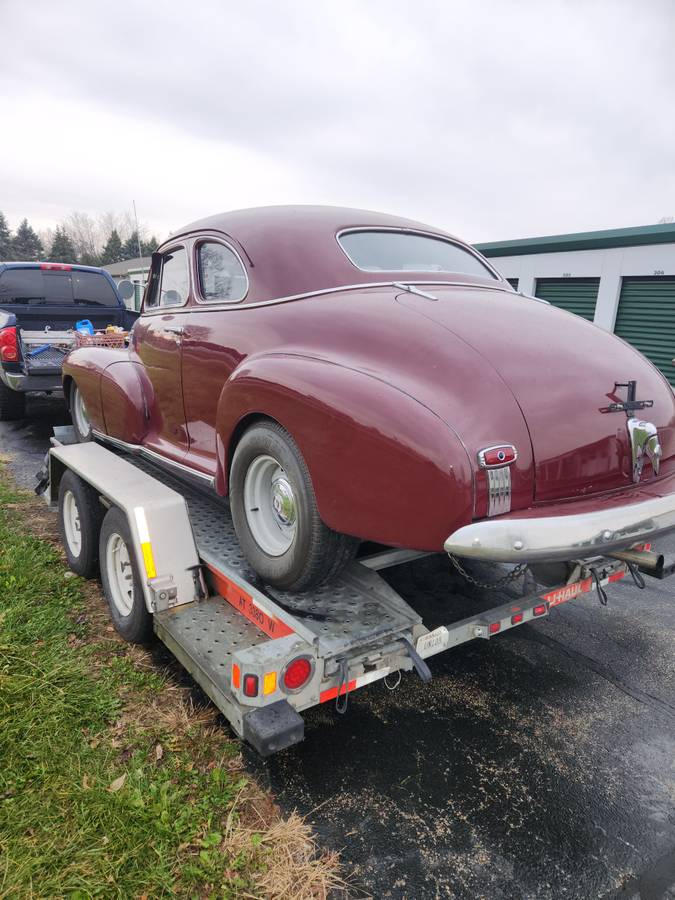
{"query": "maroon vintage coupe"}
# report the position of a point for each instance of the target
(348, 376)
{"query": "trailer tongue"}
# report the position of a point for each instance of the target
(262, 655)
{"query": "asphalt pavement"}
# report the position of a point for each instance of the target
(539, 764)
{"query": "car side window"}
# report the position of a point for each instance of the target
(172, 284)
(222, 277)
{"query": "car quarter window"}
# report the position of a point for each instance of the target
(405, 251)
(221, 275)
(172, 284)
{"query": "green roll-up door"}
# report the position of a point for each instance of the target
(576, 295)
(646, 319)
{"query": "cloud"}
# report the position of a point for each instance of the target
(493, 120)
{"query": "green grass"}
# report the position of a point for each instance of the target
(159, 831)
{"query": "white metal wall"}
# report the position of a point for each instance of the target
(610, 265)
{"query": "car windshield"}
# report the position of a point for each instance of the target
(37, 287)
(405, 251)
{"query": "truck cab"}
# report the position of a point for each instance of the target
(40, 303)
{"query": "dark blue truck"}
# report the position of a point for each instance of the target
(39, 306)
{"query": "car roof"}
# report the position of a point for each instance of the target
(292, 250)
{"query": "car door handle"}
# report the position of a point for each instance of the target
(174, 329)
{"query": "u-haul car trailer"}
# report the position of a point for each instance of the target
(262, 655)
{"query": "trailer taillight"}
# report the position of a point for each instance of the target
(297, 673)
(516, 618)
(250, 685)
(539, 610)
(494, 627)
(8, 348)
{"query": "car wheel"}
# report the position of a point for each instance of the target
(122, 586)
(12, 404)
(275, 514)
(80, 517)
(79, 415)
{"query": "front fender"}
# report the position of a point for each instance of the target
(115, 390)
(384, 468)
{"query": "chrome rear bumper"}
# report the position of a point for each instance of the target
(511, 539)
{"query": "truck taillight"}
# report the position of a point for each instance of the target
(8, 348)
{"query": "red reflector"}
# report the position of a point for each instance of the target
(494, 627)
(516, 618)
(8, 348)
(250, 685)
(61, 267)
(497, 456)
(297, 673)
(539, 610)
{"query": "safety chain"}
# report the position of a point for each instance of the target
(513, 575)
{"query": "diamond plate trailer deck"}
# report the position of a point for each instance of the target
(233, 633)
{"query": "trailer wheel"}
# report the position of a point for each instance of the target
(121, 583)
(80, 517)
(12, 404)
(79, 415)
(275, 515)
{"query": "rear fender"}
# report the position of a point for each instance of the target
(384, 468)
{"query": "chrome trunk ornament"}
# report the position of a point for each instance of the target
(644, 444)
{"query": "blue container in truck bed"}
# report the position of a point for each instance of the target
(39, 306)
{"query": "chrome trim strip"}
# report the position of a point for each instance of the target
(499, 491)
(564, 537)
(401, 229)
(153, 456)
(221, 307)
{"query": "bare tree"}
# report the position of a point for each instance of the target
(84, 234)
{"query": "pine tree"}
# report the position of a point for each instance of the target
(62, 247)
(5, 238)
(26, 244)
(113, 251)
(149, 247)
(130, 246)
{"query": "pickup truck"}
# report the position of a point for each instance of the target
(40, 302)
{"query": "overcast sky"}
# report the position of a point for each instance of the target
(492, 119)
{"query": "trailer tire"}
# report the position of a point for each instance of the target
(80, 518)
(268, 471)
(122, 585)
(12, 404)
(79, 415)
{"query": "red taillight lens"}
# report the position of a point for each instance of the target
(250, 685)
(8, 347)
(297, 673)
(494, 627)
(539, 610)
(516, 618)
(492, 457)
(59, 267)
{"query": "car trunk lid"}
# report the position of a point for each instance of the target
(561, 371)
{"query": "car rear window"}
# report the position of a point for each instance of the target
(405, 251)
(36, 287)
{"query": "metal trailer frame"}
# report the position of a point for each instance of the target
(234, 634)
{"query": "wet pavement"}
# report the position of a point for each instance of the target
(540, 764)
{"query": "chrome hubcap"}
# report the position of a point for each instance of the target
(71, 523)
(120, 575)
(270, 506)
